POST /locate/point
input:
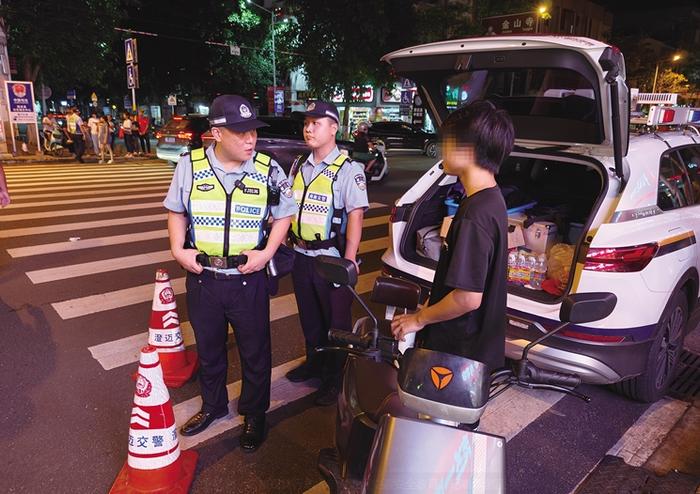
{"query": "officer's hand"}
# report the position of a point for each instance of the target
(404, 324)
(257, 259)
(187, 258)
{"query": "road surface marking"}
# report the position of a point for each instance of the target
(126, 350)
(96, 193)
(77, 227)
(88, 178)
(100, 184)
(77, 212)
(122, 197)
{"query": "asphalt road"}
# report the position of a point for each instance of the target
(79, 247)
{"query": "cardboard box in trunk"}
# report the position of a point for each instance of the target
(538, 237)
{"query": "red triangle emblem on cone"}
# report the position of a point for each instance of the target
(154, 462)
(164, 334)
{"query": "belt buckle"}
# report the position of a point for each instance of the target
(217, 262)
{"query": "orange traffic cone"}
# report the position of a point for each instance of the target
(155, 463)
(164, 334)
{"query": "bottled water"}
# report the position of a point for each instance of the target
(539, 273)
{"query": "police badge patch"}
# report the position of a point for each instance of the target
(360, 181)
(245, 111)
(285, 188)
(311, 107)
(205, 187)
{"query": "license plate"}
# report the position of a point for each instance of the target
(170, 140)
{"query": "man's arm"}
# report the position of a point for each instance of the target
(257, 259)
(456, 303)
(353, 233)
(177, 228)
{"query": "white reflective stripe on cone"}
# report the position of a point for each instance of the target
(150, 387)
(153, 448)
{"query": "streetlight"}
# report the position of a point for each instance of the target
(675, 58)
(274, 67)
(543, 14)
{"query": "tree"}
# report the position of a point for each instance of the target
(339, 54)
(671, 82)
(66, 43)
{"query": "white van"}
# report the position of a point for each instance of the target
(627, 207)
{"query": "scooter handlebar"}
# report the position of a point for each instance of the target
(348, 338)
(542, 376)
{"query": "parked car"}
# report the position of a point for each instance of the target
(627, 206)
(283, 139)
(180, 135)
(400, 135)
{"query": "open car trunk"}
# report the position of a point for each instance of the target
(552, 198)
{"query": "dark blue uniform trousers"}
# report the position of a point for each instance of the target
(244, 302)
(321, 307)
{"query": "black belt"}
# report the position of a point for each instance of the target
(218, 262)
(314, 244)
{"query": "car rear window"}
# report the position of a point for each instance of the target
(182, 124)
(558, 104)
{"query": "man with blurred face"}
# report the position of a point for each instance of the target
(331, 193)
(466, 312)
(219, 204)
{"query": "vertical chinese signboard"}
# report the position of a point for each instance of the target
(20, 102)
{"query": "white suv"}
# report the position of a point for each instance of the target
(628, 205)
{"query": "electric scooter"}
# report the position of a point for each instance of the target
(380, 165)
(408, 422)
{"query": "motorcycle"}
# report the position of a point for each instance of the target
(54, 143)
(410, 419)
(378, 165)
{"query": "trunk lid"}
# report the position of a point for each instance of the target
(560, 91)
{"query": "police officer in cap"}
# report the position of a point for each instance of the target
(331, 192)
(219, 202)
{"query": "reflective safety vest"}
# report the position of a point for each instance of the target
(224, 224)
(317, 216)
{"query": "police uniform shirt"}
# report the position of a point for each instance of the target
(349, 190)
(178, 197)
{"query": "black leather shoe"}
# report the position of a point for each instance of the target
(200, 421)
(253, 432)
(327, 395)
(302, 373)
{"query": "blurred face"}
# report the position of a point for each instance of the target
(319, 132)
(455, 158)
(234, 146)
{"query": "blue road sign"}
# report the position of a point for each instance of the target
(70, 94)
(130, 51)
(132, 76)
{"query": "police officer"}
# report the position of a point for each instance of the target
(331, 192)
(219, 203)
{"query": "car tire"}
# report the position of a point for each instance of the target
(664, 355)
(431, 149)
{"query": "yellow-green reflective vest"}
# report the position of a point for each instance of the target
(317, 215)
(226, 224)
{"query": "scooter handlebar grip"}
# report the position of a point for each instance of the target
(542, 376)
(347, 338)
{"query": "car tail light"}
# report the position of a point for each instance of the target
(177, 118)
(158, 135)
(392, 216)
(598, 338)
(620, 259)
(184, 135)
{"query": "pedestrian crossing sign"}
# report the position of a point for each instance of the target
(130, 51)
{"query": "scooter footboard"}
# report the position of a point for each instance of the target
(422, 456)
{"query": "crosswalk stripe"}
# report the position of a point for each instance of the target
(91, 186)
(96, 193)
(83, 225)
(126, 350)
(82, 201)
(89, 243)
(53, 167)
(103, 181)
(641, 440)
(76, 212)
(112, 170)
(101, 177)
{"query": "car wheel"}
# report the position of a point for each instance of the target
(662, 362)
(431, 150)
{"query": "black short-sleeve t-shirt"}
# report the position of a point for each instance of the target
(474, 258)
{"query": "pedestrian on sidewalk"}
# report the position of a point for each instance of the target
(127, 131)
(4, 193)
(226, 280)
(103, 134)
(75, 130)
(112, 131)
(144, 133)
(47, 130)
(93, 123)
(331, 191)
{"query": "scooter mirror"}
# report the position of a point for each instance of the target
(336, 270)
(397, 292)
(587, 307)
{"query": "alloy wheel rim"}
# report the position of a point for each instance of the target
(669, 350)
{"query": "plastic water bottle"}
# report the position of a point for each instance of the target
(521, 269)
(539, 272)
(512, 265)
